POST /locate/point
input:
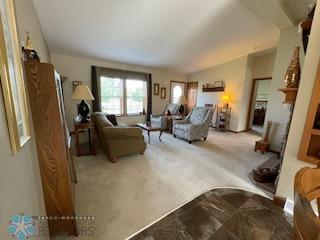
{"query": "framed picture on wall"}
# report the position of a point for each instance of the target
(75, 84)
(156, 89)
(163, 93)
(218, 84)
(12, 78)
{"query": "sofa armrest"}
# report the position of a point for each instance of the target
(127, 132)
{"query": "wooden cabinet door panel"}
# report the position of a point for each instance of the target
(192, 93)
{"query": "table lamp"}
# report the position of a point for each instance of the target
(183, 101)
(225, 99)
(82, 92)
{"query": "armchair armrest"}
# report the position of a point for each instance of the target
(182, 121)
(155, 116)
(196, 126)
(127, 132)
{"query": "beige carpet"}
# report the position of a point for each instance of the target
(137, 190)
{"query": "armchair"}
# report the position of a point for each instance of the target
(195, 126)
(161, 120)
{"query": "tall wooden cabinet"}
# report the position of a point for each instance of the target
(53, 146)
(310, 143)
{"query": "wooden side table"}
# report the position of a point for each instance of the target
(90, 127)
(149, 129)
(170, 120)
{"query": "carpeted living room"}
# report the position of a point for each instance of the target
(138, 190)
(159, 120)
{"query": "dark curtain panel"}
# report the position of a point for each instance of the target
(95, 83)
(149, 95)
(112, 73)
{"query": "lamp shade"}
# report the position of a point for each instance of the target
(225, 98)
(82, 92)
(182, 100)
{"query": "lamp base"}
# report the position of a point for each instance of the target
(181, 110)
(83, 110)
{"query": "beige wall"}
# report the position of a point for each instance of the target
(244, 107)
(79, 69)
(28, 21)
(263, 65)
(20, 184)
(277, 112)
(237, 78)
(263, 87)
(291, 164)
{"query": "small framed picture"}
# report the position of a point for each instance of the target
(156, 89)
(218, 84)
(12, 79)
(75, 84)
(163, 93)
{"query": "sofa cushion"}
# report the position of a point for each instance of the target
(184, 126)
(113, 119)
(198, 115)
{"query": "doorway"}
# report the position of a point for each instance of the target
(258, 104)
(177, 89)
(192, 94)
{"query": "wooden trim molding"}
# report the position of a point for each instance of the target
(253, 86)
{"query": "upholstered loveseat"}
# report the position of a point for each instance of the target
(195, 126)
(118, 141)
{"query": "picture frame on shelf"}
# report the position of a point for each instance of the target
(163, 93)
(156, 89)
(12, 78)
(218, 84)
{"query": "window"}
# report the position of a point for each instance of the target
(112, 95)
(177, 92)
(136, 96)
(123, 96)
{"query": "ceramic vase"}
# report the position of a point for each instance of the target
(292, 78)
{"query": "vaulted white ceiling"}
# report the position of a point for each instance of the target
(181, 35)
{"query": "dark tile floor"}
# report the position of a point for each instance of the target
(223, 214)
